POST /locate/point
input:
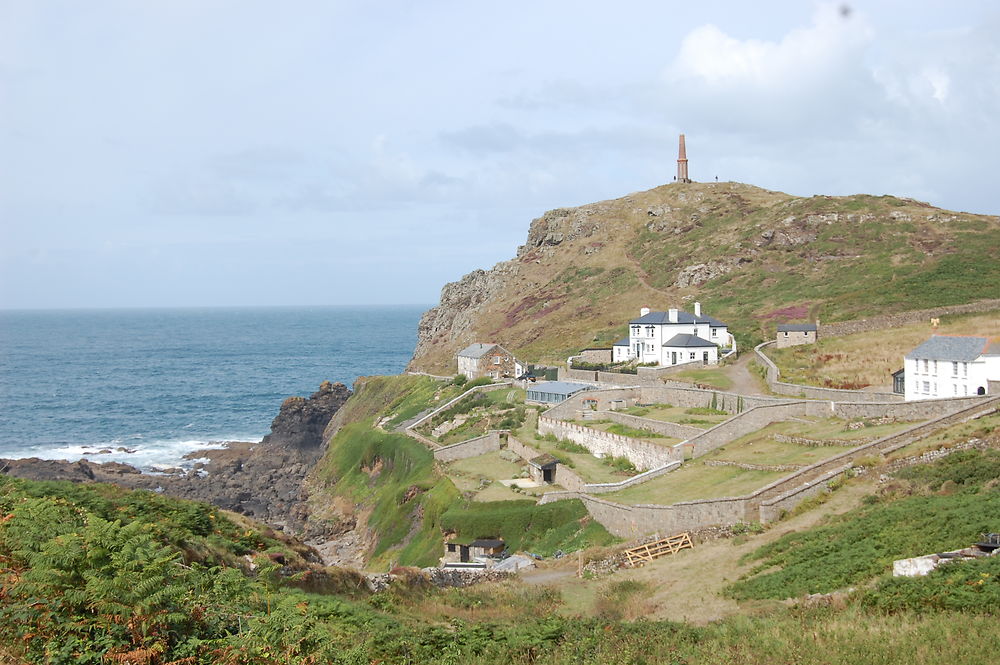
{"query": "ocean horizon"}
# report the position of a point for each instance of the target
(154, 384)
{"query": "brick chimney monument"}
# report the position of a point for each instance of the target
(682, 163)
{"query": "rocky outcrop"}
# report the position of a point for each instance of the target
(263, 480)
(301, 422)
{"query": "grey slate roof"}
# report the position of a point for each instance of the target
(559, 387)
(622, 342)
(689, 341)
(797, 327)
(946, 347)
(476, 350)
(682, 317)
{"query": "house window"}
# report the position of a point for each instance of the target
(692, 355)
(965, 370)
(926, 366)
(650, 330)
(496, 360)
(635, 331)
(927, 386)
(955, 387)
(715, 332)
(935, 367)
(954, 371)
(786, 333)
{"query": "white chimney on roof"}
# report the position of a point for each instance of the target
(672, 315)
(644, 311)
(697, 309)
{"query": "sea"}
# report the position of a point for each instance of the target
(152, 385)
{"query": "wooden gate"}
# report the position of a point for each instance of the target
(637, 556)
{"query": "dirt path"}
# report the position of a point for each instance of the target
(745, 382)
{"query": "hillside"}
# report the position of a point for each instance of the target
(752, 257)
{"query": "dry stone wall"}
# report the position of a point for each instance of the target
(673, 430)
(642, 454)
(815, 392)
(471, 448)
(904, 318)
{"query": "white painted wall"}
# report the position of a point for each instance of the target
(934, 379)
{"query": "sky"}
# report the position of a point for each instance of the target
(317, 152)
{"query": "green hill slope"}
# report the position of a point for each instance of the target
(749, 255)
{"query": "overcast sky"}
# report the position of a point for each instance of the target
(313, 152)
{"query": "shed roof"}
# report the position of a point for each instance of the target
(476, 350)
(688, 341)
(543, 461)
(488, 543)
(682, 318)
(622, 342)
(950, 347)
(796, 327)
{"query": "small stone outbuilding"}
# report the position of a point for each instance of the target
(795, 334)
(543, 468)
(488, 359)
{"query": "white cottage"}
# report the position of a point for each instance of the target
(673, 337)
(951, 366)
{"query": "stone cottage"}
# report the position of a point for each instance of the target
(488, 359)
(795, 334)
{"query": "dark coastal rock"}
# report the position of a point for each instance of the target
(261, 480)
(300, 422)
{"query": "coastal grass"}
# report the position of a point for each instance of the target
(695, 480)
(870, 358)
(862, 544)
(711, 378)
(946, 438)
(767, 451)
(677, 414)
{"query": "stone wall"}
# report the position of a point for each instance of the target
(642, 454)
(918, 410)
(904, 318)
(638, 479)
(564, 476)
(434, 445)
(751, 421)
(772, 509)
(632, 521)
(815, 392)
(820, 443)
(934, 455)
(595, 355)
(588, 375)
(472, 448)
(673, 430)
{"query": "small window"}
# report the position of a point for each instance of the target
(927, 365)
(954, 370)
(692, 355)
(715, 332)
(496, 360)
(786, 333)
(965, 370)
(927, 386)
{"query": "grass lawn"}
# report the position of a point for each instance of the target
(585, 465)
(714, 377)
(498, 492)
(870, 358)
(759, 448)
(651, 437)
(978, 428)
(676, 414)
(694, 480)
(835, 428)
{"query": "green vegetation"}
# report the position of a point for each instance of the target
(711, 378)
(561, 525)
(695, 480)
(634, 432)
(863, 543)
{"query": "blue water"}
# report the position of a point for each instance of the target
(164, 382)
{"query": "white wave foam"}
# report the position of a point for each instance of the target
(148, 455)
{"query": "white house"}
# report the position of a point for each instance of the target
(951, 366)
(673, 337)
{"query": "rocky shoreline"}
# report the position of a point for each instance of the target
(261, 480)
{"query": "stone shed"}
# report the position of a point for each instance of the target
(795, 334)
